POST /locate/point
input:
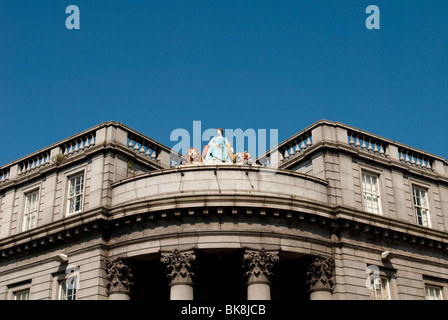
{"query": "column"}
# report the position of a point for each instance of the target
(321, 278)
(258, 265)
(119, 278)
(180, 267)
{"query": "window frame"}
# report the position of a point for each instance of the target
(373, 290)
(416, 206)
(433, 286)
(439, 283)
(68, 197)
(377, 175)
(19, 287)
(62, 283)
(25, 225)
(60, 278)
(27, 291)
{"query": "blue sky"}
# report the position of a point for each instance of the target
(159, 65)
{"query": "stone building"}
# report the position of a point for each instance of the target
(109, 214)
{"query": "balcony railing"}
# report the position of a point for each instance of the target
(107, 132)
(78, 144)
(159, 156)
(4, 175)
(363, 142)
(367, 143)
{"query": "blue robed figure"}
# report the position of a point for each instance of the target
(218, 149)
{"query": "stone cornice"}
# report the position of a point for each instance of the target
(182, 201)
(331, 218)
(387, 227)
(54, 233)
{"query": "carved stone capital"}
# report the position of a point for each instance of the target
(180, 267)
(321, 274)
(119, 276)
(258, 265)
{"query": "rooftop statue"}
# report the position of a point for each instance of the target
(194, 156)
(218, 150)
(243, 158)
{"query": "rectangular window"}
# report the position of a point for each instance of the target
(380, 288)
(371, 193)
(421, 207)
(75, 194)
(31, 206)
(67, 289)
(433, 292)
(22, 295)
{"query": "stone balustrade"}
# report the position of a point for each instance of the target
(35, 162)
(415, 158)
(394, 150)
(79, 144)
(142, 146)
(4, 175)
(291, 148)
(334, 133)
(111, 132)
(295, 146)
(367, 143)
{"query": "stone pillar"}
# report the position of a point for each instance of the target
(119, 278)
(321, 278)
(258, 265)
(180, 267)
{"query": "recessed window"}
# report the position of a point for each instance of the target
(75, 194)
(421, 207)
(22, 295)
(31, 207)
(433, 292)
(67, 288)
(380, 289)
(371, 193)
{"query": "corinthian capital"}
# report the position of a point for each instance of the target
(180, 267)
(119, 276)
(321, 274)
(258, 265)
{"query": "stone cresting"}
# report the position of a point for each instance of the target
(180, 267)
(119, 276)
(321, 274)
(258, 265)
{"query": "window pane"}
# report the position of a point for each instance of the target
(433, 293)
(380, 289)
(68, 289)
(371, 193)
(22, 295)
(421, 206)
(30, 213)
(75, 195)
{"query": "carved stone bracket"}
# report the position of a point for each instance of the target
(321, 274)
(180, 267)
(119, 276)
(258, 265)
